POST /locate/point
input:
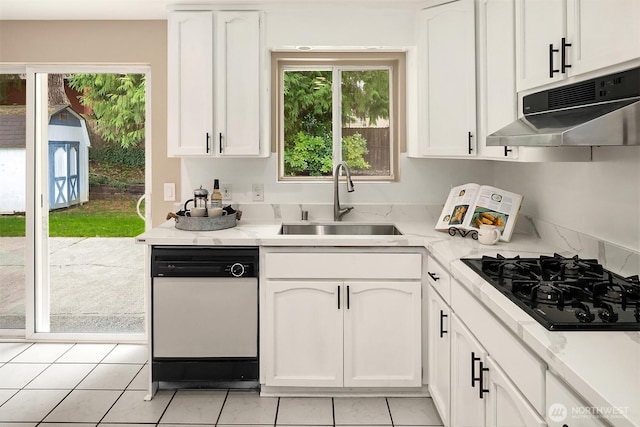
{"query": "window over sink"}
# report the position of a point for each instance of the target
(337, 106)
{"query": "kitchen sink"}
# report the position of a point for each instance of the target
(345, 229)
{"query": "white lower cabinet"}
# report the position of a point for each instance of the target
(439, 345)
(467, 356)
(355, 332)
(481, 393)
(565, 408)
(303, 336)
(507, 406)
(382, 333)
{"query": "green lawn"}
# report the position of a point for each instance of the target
(99, 218)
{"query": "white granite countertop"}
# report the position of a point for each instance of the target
(603, 367)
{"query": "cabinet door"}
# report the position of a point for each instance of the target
(602, 33)
(439, 353)
(238, 83)
(303, 333)
(498, 100)
(560, 402)
(382, 334)
(467, 408)
(190, 84)
(506, 406)
(447, 110)
(539, 25)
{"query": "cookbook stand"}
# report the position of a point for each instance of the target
(463, 232)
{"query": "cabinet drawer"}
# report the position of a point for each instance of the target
(439, 278)
(342, 265)
(521, 366)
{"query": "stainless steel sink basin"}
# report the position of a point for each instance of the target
(345, 229)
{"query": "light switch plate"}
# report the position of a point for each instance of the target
(257, 192)
(227, 193)
(169, 191)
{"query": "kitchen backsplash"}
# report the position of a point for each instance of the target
(616, 258)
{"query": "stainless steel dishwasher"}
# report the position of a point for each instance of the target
(205, 316)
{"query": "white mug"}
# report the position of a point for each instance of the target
(198, 211)
(214, 212)
(488, 234)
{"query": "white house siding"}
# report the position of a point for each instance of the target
(13, 180)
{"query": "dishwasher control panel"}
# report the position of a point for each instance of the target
(204, 261)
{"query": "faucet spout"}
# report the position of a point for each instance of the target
(339, 212)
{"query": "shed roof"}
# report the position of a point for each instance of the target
(13, 119)
(13, 122)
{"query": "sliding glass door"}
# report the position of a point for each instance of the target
(83, 273)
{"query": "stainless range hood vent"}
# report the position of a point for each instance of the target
(600, 111)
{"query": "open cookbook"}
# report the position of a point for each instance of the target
(470, 205)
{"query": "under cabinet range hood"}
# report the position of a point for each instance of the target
(600, 111)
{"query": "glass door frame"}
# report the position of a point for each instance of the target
(37, 194)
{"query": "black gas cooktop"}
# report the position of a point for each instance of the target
(565, 293)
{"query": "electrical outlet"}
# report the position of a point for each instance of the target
(225, 189)
(257, 191)
(169, 191)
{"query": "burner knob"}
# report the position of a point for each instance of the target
(607, 316)
(584, 317)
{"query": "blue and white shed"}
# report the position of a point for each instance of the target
(68, 158)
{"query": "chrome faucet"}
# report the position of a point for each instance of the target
(339, 212)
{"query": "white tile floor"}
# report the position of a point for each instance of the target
(79, 385)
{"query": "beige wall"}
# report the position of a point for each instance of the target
(115, 42)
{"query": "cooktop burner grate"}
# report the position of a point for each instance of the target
(565, 293)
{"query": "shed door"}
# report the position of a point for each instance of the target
(64, 185)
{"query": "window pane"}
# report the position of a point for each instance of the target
(12, 201)
(366, 143)
(307, 123)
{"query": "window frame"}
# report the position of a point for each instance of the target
(337, 62)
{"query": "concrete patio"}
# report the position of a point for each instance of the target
(97, 284)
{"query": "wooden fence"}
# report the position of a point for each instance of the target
(378, 141)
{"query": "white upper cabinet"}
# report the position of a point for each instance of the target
(603, 33)
(190, 88)
(447, 81)
(214, 111)
(497, 96)
(540, 28)
(557, 39)
(237, 72)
